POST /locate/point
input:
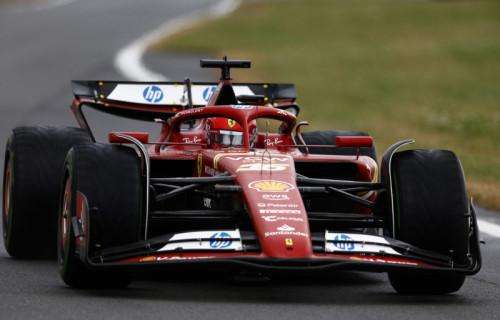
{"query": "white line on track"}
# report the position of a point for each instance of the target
(488, 228)
(128, 60)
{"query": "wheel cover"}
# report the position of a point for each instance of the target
(6, 196)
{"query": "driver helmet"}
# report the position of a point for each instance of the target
(224, 132)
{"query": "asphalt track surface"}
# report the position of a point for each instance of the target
(41, 50)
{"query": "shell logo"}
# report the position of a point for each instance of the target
(271, 186)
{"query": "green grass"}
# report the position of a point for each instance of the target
(423, 69)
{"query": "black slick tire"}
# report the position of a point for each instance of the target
(33, 171)
(431, 212)
(109, 177)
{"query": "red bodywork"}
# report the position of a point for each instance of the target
(265, 171)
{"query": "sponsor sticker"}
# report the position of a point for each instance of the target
(277, 205)
(171, 258)
(220, 240)
(263, 167)
(207, 202)
(284, 233)
(152, 94)
(285, 230)
(342, 242)
(355, 242)
(281, 218)
(204, 240)
(242, 106)
(259, 159)
(280, 211)
(208, 92)
(271, 142)
(276, 197)
(191, 111)
(194, 139)
(183, 258)
(256, 157)
(270, 186)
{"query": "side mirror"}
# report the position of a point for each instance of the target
(115, 137)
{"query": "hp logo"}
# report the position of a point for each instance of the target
(220, 240)
(342, 242)
(207, 93)
(152, 94)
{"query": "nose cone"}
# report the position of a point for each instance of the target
(273, 201)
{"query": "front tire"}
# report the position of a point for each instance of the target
(109, 177)
(431, 209)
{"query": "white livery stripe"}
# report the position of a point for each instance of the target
(205, 240)
(167, 94)
(352, 242)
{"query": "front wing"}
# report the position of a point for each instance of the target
(332, 250)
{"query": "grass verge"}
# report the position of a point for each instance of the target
(423, 69)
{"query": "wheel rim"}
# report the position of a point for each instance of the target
(65, 220)
(6, 196)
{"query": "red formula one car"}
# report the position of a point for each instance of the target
(220, 188)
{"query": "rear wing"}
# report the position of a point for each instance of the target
(173, 96)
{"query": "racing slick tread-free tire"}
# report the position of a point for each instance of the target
(34, 162)
(328, 138)
(110, 178)
(431, 208)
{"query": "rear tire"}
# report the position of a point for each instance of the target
(431, 209)
(109, 176)
(328, 138)
(34, 162)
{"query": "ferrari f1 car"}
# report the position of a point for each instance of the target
(219, 187)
